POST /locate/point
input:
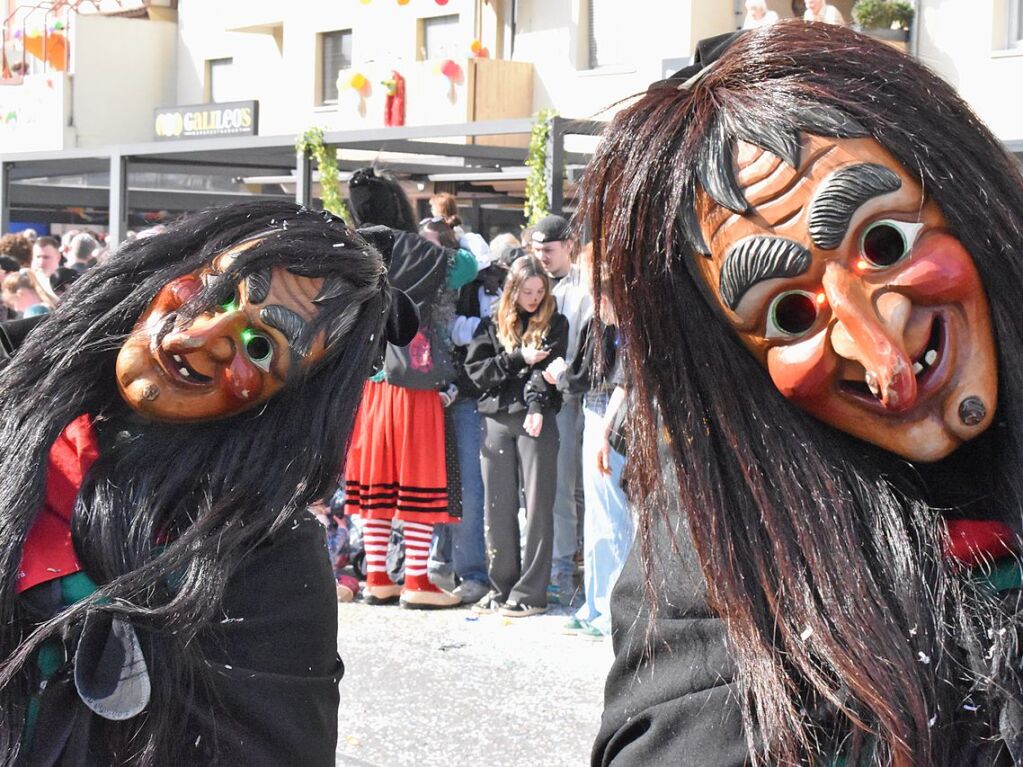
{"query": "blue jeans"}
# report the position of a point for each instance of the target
(459, 547)
(608, 527)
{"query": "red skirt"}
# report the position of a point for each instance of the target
(395, 464)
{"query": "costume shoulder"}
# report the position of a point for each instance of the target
(13, 332)
(418, 267)
(670, 695)
(274, 655)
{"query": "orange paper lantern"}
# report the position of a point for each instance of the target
(56, 48)
(476, 47)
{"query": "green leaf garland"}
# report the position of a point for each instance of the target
(311, 143)
(537, 204)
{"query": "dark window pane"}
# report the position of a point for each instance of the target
(606, 45)
(221, 79)
(336, 48)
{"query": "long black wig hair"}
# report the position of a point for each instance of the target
(164, 518)
(851, 633)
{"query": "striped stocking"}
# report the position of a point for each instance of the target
(375, 535)
(418, 537)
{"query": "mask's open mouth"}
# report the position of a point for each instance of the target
(923, 365)
(931, 353)
(177, 368)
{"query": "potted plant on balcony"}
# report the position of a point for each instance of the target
(884, 19)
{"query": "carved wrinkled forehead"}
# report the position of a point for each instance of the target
(779, 133)
(264, 262)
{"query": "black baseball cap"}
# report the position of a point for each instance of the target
(552, 229)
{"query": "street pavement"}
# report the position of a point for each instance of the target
(452, 689)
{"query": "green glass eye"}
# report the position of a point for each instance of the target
(791, 314)
(231, 304)
(258, 348)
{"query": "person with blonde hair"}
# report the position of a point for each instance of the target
(27, 294)
(506, 360)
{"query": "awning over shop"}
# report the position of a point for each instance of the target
(110, 183)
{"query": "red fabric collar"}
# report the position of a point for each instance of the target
(49, 552)
(972, 541)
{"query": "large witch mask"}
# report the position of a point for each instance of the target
(842, 279)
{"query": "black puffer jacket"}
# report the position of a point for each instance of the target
(508, 384)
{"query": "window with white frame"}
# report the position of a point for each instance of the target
(335, 55)
(220, 79)
(606, 33)
(1015, 24)
(440, 38)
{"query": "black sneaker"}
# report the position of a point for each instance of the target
(519, 610)
(491, 603)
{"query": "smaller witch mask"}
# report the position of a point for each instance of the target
(226, 360)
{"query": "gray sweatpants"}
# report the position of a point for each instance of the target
(508, 453)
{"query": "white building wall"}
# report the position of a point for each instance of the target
(550, 34)
(554, 36)
(126, 67)
(123, 69)
(284, 79)
(965, 41)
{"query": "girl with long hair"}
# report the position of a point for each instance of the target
(813, 247)
(164, 598)
(506, 360)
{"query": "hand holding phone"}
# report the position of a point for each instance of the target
(534, 354)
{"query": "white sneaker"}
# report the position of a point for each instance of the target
(519, 610)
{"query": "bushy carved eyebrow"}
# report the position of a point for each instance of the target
(258, 286)
(839, 197)
(290, 324)
(755, 259)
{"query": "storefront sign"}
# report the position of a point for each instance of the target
(230, 118)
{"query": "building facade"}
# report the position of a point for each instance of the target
(336, 63)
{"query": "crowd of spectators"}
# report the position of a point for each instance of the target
(514, 420)
(37, 270)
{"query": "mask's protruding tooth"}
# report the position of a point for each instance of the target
(871, 381)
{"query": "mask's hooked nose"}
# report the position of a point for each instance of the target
(872, 335)
(212, 334)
